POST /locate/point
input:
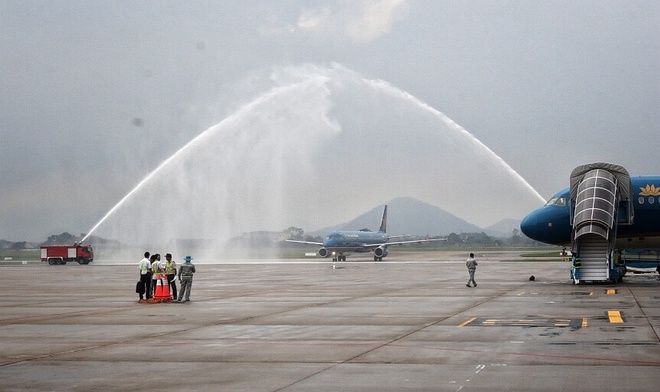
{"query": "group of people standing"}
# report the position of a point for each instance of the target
(152, 269)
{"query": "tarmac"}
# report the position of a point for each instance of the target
(406, 324)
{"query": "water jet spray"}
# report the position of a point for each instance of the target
(308, 152)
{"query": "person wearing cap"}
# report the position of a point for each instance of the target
(186, 271)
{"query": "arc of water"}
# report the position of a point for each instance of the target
(198, 139)
(318, 77)
(387, 87)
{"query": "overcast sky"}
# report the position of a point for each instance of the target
(95, 95)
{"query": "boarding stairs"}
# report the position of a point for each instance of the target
(593, 252)
(594, 228)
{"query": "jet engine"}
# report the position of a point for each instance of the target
(323, 252)
(380, 252)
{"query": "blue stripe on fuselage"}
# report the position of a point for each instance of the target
(353, 239)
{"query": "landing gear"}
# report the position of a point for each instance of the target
(376, 258)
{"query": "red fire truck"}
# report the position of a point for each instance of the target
(60, 254)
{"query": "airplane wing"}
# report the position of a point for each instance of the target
(373, 246)
(397, 236)
(306, 242)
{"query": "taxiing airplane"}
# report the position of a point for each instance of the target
(339, 244)
(606, 216)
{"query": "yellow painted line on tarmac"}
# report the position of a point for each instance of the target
(615, 316)
(611, 291)
(467, 322)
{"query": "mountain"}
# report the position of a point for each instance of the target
(4, 244)
(503, 228)
(406, 215)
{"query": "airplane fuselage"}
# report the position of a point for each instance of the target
(551, 224)
(340, 243)
(353, 241)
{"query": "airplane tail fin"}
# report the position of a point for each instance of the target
(383, 221)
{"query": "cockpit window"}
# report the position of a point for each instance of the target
(556, 201)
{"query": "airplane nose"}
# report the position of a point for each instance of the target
(547, 226)
(539, 225)
(528, 226)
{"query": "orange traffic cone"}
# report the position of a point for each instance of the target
(162, 292)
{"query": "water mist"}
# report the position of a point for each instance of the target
(321, 146)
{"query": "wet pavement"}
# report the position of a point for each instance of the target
(308, 325)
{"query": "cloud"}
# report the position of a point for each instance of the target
(357, 21)
(316, 19)
(374, 19)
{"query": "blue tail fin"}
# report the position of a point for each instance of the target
(383, 221)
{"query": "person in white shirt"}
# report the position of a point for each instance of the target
(145, 277)
(471, 265)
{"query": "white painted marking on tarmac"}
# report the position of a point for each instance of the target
(477, 370)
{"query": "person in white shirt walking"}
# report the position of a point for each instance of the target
(471, 265)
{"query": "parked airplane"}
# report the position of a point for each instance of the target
(604, 214)
(339, 244)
